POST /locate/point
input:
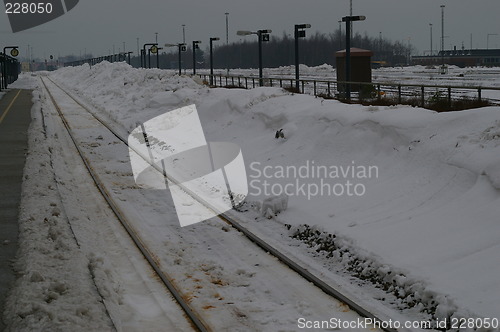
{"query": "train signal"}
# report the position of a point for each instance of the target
(14, 52)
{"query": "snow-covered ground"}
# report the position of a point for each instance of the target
(411, 196)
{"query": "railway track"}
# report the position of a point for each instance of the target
(198, 320)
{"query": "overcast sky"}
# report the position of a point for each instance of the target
(97, 25)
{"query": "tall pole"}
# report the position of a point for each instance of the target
(183, 33)
(430, 24)
(350, 14)
(180, 59)
(212, 60)
(442, 35)
(227, 42)
(296, 34)
(194, 58)
(261, 81)
(348, 60)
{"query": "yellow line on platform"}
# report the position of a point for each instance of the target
(8, 107)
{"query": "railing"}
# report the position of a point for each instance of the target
(9, 70)
(416, 94)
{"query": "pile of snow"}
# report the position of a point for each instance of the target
(431, 211)
(271, 206)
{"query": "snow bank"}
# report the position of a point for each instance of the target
(431, 211)
(54, 290)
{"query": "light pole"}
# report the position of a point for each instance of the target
(349, 20)
(430, 24)
(299, 32)
(212, 39)
(442, 40)
(182, 48)
(263, 36)
(195, 46)
(488, 39)
(183, 33)
(153, 49)
(227, 42)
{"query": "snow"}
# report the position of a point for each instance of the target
(429, 212)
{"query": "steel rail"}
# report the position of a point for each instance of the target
(167, 281)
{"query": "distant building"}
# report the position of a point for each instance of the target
(461, 58)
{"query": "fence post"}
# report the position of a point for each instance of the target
(329, 91)
(314, 82)
(422, 101)
(379, 96)
(399, 94)
(479, 94)
(271, 82)
(281, 83)
(303, 83)
(239, 81)
(253, 82)
(246, 83)
(232, 80)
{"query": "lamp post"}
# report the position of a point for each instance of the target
(299, 32)
(443, 69)
(182, 48)
(153, 49)
(158, 49)
(195, 46)
(263, 36)
(349, 20)
(212, 39)
(430, 25)
(227, 42)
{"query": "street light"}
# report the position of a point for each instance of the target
(182, 48)
(195, 46)
(153, 49)
(227, 42)
(298, 33)
(349, 20)
(430, 24)
(263, 36)
(443, 68)
(212, 39)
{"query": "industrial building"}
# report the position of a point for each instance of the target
(461, 58)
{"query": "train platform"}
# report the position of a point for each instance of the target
(15, 118)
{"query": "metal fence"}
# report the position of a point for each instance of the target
(415, 94)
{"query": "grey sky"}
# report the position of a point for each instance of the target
(97, 25)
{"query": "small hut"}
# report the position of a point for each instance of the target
(361, 70)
